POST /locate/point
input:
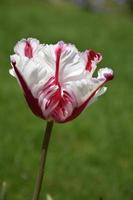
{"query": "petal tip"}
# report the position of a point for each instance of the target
(109, 76)
(106, 73)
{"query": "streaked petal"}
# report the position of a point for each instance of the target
(32, 102)
(94, 90)
(27, 47)
(106, 73)
(92, 58)
(72, 64)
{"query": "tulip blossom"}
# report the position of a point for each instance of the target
(57, 79)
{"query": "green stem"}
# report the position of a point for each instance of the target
(43, 156)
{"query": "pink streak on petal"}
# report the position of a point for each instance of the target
(108, 76)
(53, 99)
(57, 102)
(52, 94)
(89, 66)
(32, 102)
(58, 54)
(78, 110)
(28, 50)
(56, 96)
(92, 55)
(61, 110)
(49, 83)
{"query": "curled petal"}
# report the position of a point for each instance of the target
(106, 73)
(32, 102)
(95, 89)
(92, 59)
(72, 64)
(26, 47)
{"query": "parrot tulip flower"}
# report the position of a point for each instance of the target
(57, 79)
(58, 84)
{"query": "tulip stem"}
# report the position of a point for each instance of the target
(43, 156)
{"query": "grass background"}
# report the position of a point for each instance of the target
(90, 158)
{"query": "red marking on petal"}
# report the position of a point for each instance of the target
(49, 83)
(58, 101)
(58, 54)
(92, 56)
(89, 66)
(61, 111)
(52, 94)
(67, 96)
(31, 100)
(28, 50)
(53, 99)
(78, 110)
(99, 56)
(108, 76)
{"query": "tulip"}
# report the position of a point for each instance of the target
(57, 80)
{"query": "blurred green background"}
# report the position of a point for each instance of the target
(90, 158)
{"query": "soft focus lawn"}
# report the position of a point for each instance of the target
(90, 158)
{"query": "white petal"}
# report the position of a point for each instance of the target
(36, 75)
(83, 89)
(12, 72)
(104, 72)
(100, 92)
(20, 62)
(34, 43)
(33, 71)
(72, 64)
(20, 46)
(49, 55)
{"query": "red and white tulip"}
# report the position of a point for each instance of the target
(57, 79)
